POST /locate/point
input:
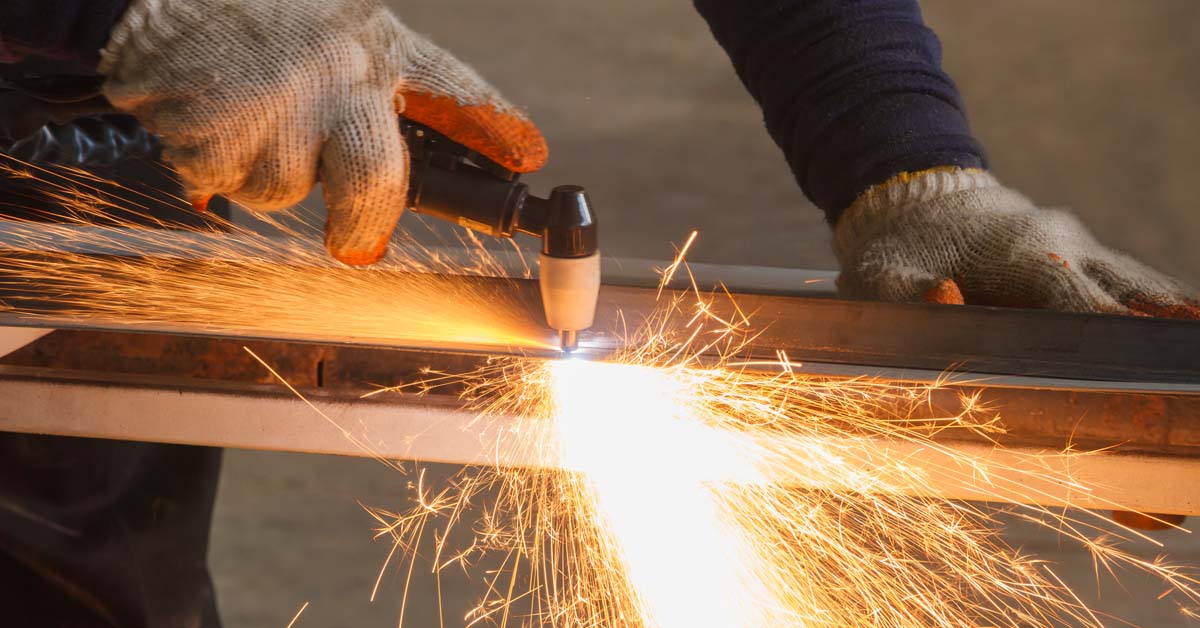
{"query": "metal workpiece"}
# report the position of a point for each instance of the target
(791, 310)
(210, 391)
(931, 337)
(845, 337)
(1127, 386)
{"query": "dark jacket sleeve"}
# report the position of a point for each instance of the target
(73, 30)
(852, 91)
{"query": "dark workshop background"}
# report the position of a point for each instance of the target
(1092, 105)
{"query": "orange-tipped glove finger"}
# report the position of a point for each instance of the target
(256, 99)
(950, 235)
(1143, 290)
(900, 283)
(440, 92)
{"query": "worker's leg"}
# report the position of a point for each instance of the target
(93, 532)
(105, 533)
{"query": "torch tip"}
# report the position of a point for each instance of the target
(568, 340)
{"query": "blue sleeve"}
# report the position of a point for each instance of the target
(73, 30)
(852, 91)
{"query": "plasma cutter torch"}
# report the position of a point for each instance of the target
(454, 183)
(451, 182)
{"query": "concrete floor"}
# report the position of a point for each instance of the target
(1086, 104)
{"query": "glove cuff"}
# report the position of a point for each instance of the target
(900, 195)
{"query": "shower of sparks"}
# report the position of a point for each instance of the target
(677, 487)
(228, 278)
(675, 493)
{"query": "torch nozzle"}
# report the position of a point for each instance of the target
(568, 340)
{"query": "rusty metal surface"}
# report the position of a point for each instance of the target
(1043, 412)
(308, 366)
(209, 391)
(1141, 475)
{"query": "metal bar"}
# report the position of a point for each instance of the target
(990, 340)
(1029, 469)
(1052, 411)
(1000, 341)
(1057, 379)
(13, 338)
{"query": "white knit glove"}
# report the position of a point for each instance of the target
(954, 236)
(256, 99)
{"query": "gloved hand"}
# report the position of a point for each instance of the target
(954, 236)
(254, 99)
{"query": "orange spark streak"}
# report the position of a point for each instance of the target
(298, 614)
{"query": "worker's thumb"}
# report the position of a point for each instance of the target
(441, 92)
(364, 172)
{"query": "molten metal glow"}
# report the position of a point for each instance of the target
(684, 493)
(688, 568)
(676, 502)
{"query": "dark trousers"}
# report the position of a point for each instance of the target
(105, 533)
(97, 533)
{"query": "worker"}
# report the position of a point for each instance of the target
(256, 100)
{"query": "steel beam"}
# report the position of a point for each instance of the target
(789, 307)
(208, 391)
(1156, 474)
(1058, 380)
(996, 341)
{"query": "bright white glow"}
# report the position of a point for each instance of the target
(629, 429)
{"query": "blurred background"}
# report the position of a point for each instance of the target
(1092, 105)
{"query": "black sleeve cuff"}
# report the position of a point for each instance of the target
(853, 92)
(73, 30)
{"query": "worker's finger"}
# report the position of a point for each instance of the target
(441, 92)
(945, 292)
(203, 168)
(283, 171)
(1151, 306)
(262, 175)
(1041, 281)
(1142, 289)
(264, 166)
(277, 182)
(898, 284)
(1066, 289)
(1074, 292)
(364, 172)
